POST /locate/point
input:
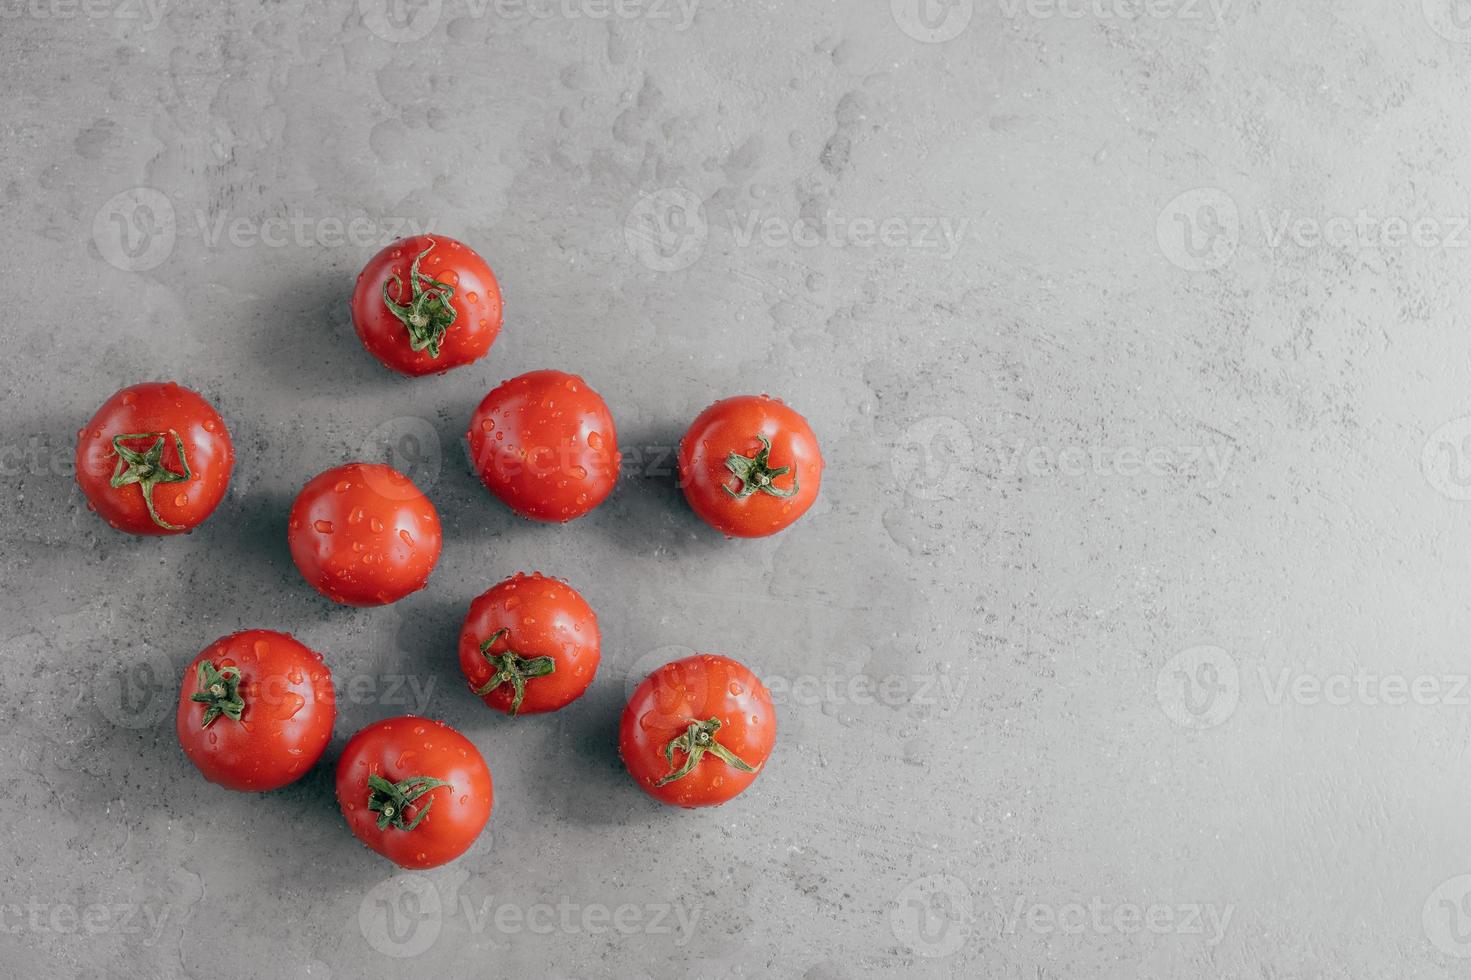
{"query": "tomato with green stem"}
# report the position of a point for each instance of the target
(426, 304)
(529, 644)
(416, 791)
(155, 459)
(696, 732)
(256, 710)
(363, 535)
(750, 466)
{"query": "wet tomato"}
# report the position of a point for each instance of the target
(155, 459)
(749, 466)
(363, 535)
(697, 731)
(255, 710)
(544, 443)
(529, 644)
(426, 304)
(416, 791)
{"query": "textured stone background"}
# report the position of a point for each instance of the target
(1127, 638)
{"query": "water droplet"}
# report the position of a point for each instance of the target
(407, 538)
(324, 527)
(342, 486)
(376, 525)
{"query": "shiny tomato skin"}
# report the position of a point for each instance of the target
(285, 724)
(542, 617)
(696, 689)
(401, 748)
(736, 425)
(158, 408)
(476, 301)
(363, 535)
(545, 444)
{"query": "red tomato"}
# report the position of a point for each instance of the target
(363, 535)
(530, 644)
(426, 304)
(544, 443)
(155, 459)
(255, 710)
(697, 731)
(416, 791)
(750, 466)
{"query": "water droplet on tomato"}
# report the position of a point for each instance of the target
(181, 500)
(407, 538)
(472, 297)
(356, 517)
(342, 486)
(324, 527)
(375, 525)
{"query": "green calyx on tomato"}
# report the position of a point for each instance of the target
(146, 468)
(512, 668)
(756, 473)
(220, 689)
(391, 800)
(428, 314)
(698, 739)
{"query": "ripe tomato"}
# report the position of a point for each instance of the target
(416, 791)
(749, 466)
(426, 304)
(544, 443)
(697, 731)
(255, 710)
(155, 459)
(363, 535)
(530, 644)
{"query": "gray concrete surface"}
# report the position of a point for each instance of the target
(1126, 640)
